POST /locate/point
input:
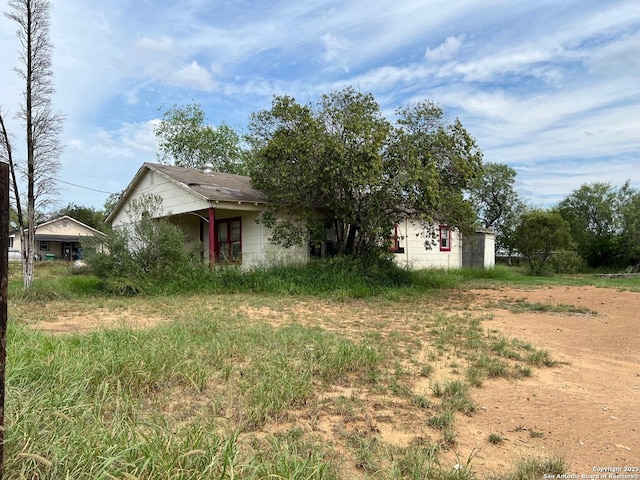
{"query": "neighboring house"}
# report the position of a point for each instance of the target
(60, 238)
(220, 211)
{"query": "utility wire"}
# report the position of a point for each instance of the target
(87, 188)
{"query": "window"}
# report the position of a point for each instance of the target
(445, 238)
(395, 241)
(44, 246)
(229, 240)
(10, 242)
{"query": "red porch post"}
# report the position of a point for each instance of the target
(212, 240)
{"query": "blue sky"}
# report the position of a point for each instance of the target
(551, 88)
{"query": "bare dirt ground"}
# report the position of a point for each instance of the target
(586, 410)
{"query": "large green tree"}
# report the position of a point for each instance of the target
(87, 215)
(497, 204)
(629, 238)
(539, 234)
(593, 214)
(186, 140)
(341, 164)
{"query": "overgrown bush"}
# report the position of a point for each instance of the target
(567, 261)
(148, 250)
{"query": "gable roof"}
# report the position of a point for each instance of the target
(211, 187)
(63, 235)
(216, 186)
(71, 219)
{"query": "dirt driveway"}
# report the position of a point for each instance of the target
(588, 408)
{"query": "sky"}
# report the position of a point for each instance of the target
(550, 88)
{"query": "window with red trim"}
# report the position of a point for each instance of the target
(445, 238)
(395, 241)
(229, 240)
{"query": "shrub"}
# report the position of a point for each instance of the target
(148, 250)
(567, 261)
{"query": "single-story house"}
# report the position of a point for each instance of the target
(220, 211)
(59, 238)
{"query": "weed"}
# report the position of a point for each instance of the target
(441, 421)
(522, 370)
(536, 468)
(421, 402)
(455, 396)
(426, 370)
(540, 358)
(495, 439)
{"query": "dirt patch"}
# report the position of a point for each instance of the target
(70, 322)
(586, 409)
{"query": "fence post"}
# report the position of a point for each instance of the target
(4, 279)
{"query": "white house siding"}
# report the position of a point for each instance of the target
(417, 256)
(175, 199)
(251, 234)
(257, 249)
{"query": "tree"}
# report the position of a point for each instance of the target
(87, 215)
(539, 234)
(343, 165)
(111, 201)
(629, 238)
(148, 251)
(497, 204)
(43, 125)
(593, 214)
(187, 141)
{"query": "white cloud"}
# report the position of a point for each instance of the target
(446, 50)
(336, 50)
(619, 57)
(193, 76)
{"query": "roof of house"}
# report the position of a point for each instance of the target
(216, 186)
(67, 217)
(63, 235)
(211, 187)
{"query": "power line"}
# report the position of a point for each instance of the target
(86, 188)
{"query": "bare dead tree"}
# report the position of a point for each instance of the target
(43, 125)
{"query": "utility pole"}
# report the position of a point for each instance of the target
(4, 279)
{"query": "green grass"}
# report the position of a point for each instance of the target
(199, 394)
(70, 396)
(336, 278)
(535, 468)
(521, 305)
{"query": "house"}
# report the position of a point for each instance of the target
(58, 238)
(220, 211)
(217, 209)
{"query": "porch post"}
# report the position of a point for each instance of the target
(212, 242)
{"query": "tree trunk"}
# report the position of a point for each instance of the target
(351, 239)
